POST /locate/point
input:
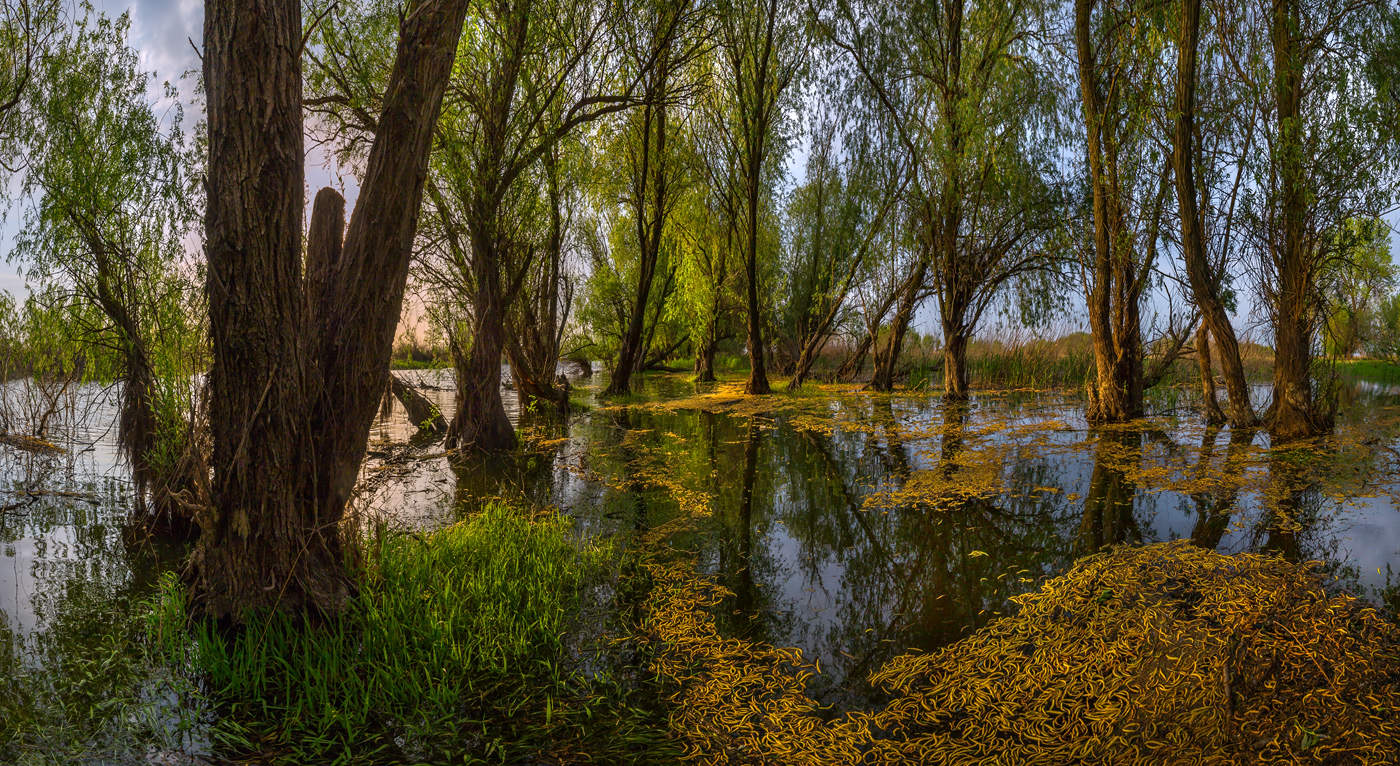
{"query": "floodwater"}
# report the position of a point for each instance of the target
(850, 525)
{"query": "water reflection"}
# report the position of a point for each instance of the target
(853, 526)
(860, 526)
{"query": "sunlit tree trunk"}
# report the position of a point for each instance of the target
(1209, 402)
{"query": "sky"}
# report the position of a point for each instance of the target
(165, 32)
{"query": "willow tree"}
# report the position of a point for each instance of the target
(762, 50)
(300, 362)
(707, 228)
(961, 85)
(112, 193)
(836, 220)
(1117, 56)
(647, 141)
(1206, 154)
(533, 74)
(1329, 156)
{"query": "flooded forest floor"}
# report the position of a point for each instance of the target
(693, 574)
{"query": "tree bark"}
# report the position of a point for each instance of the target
(1117, 277)
(1211, 405)
(1205, 288)
(1294, 411)
(299, 366)
(955, 386)
(481, 422)
(888, 357)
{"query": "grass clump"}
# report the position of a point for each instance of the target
(1160, 654)
(458, 649)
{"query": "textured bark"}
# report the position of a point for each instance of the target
(955, 386)
(1204, 285)
(1211, 405)
(481, 422)
(1294, 413)
(299, 365)
(1117, 274)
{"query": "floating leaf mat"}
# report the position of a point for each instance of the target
(1160, 654)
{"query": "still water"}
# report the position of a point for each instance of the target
(853, 526)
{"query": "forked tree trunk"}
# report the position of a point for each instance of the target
(1117, 278)
(888, 357)
(299, 367)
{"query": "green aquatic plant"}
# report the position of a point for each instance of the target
(460, 646)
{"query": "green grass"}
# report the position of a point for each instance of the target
(457, 649)
(409, 363)
(1373, 370)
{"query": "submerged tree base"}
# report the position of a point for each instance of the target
(1166, 653)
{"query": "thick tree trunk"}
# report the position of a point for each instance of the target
(299, 367)
(1294, 411)
(705, 362)
(1211, 405)
(481, 422)
(955, 386)
(1215, 320)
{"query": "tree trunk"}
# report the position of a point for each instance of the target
(299, 367)
(854, 363)
(1294, 411)
(1211, 405)
(1115, 394)
(1215, 320)
(955, 386)
(758, 373)
(888, 357)
(421, 412)
(481, 422)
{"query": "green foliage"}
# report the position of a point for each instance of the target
(459, 646)
(110, 191)
(1353, 284)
